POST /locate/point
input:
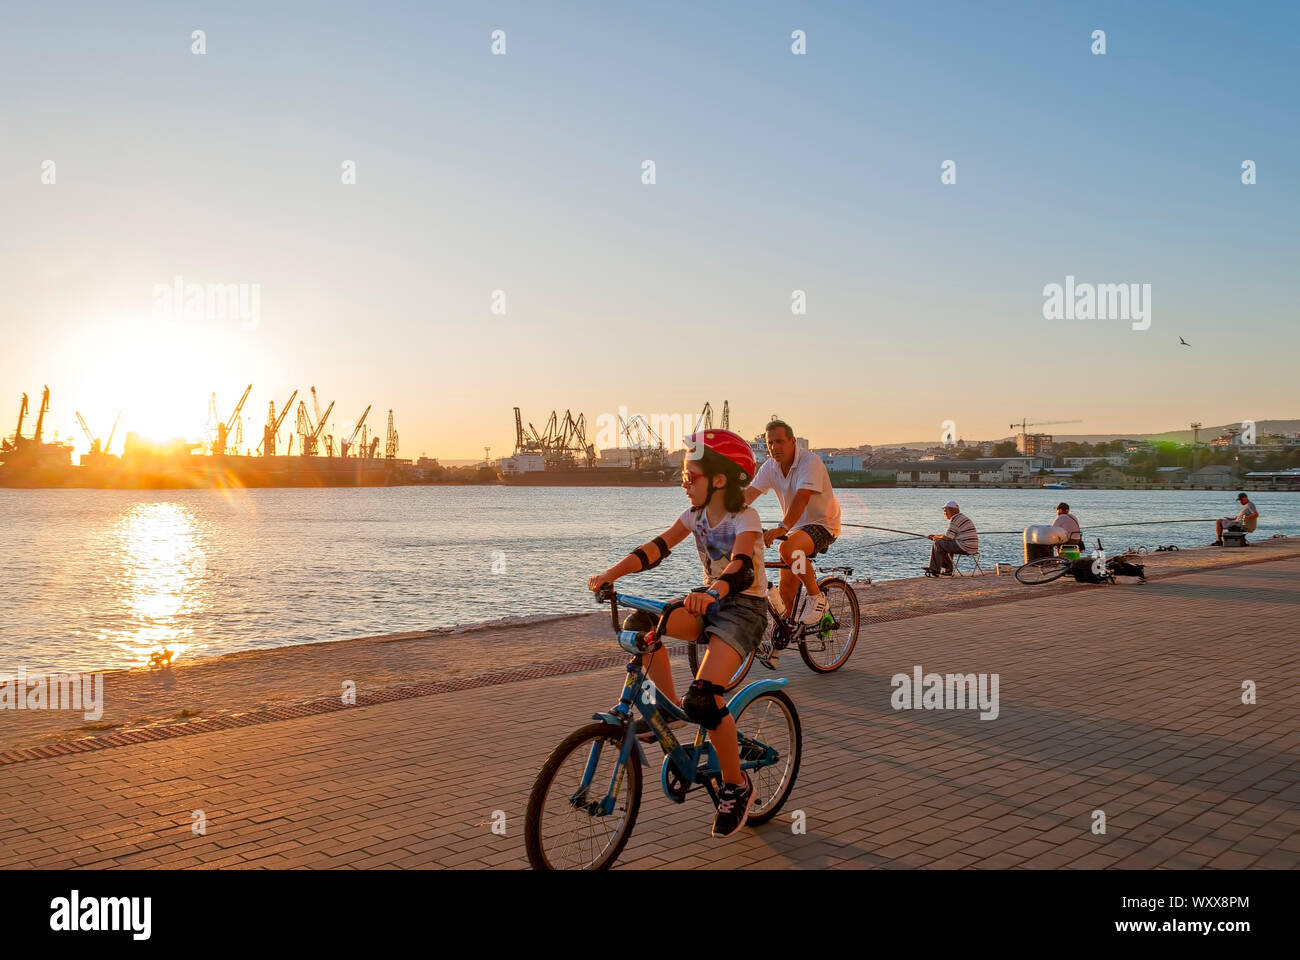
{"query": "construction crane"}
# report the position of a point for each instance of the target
(347, 444)
(224, 426)
(726, 415)
(1026, 422)
(390, 441)
(272, 428)
(374, 448)
(1023, 442)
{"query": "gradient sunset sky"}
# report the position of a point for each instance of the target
(775, 172)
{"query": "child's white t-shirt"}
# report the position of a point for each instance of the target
(716, 544)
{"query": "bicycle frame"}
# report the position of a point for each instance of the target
(800, 630)
(679, 760)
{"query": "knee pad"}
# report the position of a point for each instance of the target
(699, 705)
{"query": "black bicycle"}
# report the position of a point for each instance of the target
(1047, 569)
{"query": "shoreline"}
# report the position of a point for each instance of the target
(262, 680)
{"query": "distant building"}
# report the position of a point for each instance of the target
(843, 462)
(983, 470)
(1115, 460)
(1216, 475)
(1109, 476)
(1034, 444)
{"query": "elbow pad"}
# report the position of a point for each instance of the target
(660, 545)
(742, 579)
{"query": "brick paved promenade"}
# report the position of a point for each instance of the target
(1138, 715)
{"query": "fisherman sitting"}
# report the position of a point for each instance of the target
(1245, 521)
(960, 537)
(1067, 522)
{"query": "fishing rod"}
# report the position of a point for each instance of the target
(912, 535)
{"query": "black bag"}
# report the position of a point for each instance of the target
(1081, 570)
(1123, 568)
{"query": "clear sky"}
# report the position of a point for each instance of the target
(775, 173)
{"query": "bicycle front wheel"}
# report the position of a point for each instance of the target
(695, 656)
(563, 828)
(1043, 570)
(770, 720)
(826, 647)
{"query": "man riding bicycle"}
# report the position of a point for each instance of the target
(811, 515)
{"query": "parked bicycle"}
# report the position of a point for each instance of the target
(584, 803)
(825, 646)
(1047, 569)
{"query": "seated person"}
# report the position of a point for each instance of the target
(1247, 519)
(960, 537)
(1067, 522)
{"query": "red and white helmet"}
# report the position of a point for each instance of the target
(722, 451)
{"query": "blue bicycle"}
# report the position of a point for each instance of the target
(584, 803)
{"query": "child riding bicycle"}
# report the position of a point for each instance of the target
(730, 611)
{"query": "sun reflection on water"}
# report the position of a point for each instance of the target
(162, 563)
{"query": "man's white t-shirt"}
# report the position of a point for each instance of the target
(807, 472)
(1068, 523)
(717, 544)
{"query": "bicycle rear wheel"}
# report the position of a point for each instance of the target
(1043, 570)
(695, 656)
(770, 720)
(826, 647)
(561, 830)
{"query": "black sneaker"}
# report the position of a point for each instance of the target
(733, 807)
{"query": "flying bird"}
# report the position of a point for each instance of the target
(1183, 342)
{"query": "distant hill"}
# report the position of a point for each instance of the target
(1176, 436)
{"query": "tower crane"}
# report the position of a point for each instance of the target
(1025, 423)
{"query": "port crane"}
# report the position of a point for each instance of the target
(309, 435)
(390, 441)
(10, 445)
(347, 444)
(224, 426)
(272, 428)
(95, 449)
(705, 421)
(40, 417)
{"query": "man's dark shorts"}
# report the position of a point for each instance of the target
(821, 538)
